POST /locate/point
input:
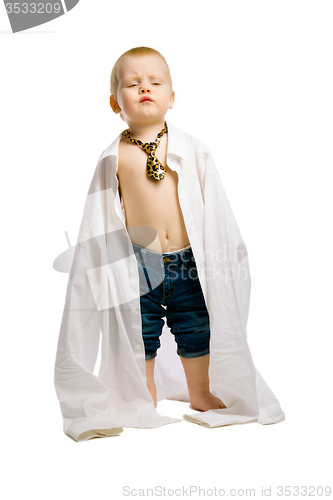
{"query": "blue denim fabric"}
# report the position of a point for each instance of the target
(171, 280)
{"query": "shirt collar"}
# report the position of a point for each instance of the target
(176, 144)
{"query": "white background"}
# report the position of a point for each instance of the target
(253, 80)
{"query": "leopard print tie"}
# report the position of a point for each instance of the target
(155, 169)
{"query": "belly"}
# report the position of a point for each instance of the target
(154, 217)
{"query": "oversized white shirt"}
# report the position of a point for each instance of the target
(103, 305)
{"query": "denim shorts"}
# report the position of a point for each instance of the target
(171, 280)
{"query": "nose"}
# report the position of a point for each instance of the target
(144, 89)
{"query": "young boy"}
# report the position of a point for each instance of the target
(157, 240)
(141, 92)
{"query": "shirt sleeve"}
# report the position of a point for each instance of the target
(224, 241)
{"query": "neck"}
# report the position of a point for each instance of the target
(146, 133)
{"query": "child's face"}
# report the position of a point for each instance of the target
(141, 78)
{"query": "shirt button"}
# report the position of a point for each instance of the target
(133, 309)
(138, 347)
(132, 270)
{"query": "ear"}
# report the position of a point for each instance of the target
(114, 105)
(171, 100)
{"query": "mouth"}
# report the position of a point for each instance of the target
(146, 99)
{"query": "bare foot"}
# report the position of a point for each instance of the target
(206, 401)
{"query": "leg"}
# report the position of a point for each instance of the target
(196, 372)
(150, 365)
(188, 319)
(152, 314)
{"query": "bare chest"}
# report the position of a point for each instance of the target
(135, 185)
(147, 201)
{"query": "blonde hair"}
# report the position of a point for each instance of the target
(135, 52)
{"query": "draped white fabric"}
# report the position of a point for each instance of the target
(103, 305)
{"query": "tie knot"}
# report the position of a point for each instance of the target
(154, 168)
(127, 133)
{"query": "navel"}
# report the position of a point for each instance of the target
(166, 235)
